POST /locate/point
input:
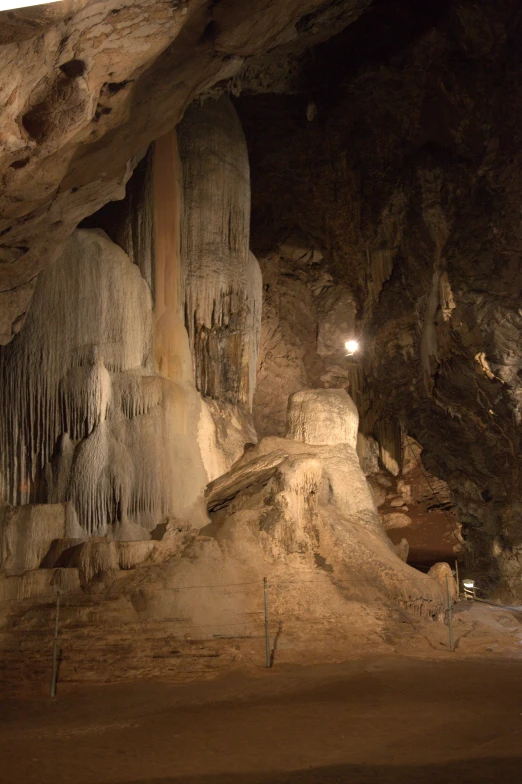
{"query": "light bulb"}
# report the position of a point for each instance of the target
(9, 5)
(351, 346)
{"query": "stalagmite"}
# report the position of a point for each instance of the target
(309, 498)
(322, 416)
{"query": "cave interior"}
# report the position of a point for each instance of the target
(260, 313)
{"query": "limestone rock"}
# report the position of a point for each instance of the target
(312, 502)
(27, 533)
(378, 491)
(222, 278)
(305, 500)
(395, 520)
(322, 416)
(109, 441)
(402, 549)
(246, 473)
(441, 571)
(99, 556)
(368, 451)
(223, 431)
(40, 583)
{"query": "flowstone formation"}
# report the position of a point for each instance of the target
(85, 417)
(222, 277)
(297, 512)
(144, 349)
(100, 403)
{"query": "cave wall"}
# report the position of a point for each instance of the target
(407, 174)
(306, 320)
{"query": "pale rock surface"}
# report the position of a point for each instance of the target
(368, 451)
(222, 279)
(395, 520)
(39, 583)
(312, 502)
(309, 501)
(80, 392)
(95, 556)
(223, 431)
(322, 416)
(13, 305)
(442, 572)
(27, 533)
(402, 549)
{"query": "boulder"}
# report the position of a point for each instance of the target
(395, 520)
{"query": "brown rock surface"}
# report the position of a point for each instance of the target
(86, 88)
(409, 179)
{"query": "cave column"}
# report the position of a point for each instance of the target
(172, 351)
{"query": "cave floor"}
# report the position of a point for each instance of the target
(390, 720)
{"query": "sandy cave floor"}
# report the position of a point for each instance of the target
(433, 718)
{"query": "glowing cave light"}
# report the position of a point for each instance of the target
(9, 5)
(351, 346)
(469, 588)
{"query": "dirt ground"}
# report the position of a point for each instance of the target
(392, 720)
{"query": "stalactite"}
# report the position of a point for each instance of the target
(223, 283)
(83, 416)
(389, 437)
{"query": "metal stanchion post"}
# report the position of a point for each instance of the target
(457, 578)
(450, 618)
(55, 646)
(267, 630)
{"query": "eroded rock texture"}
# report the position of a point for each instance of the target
(86, 86)
(85, 418)
(386, 173)
(407, 180)
(307, 499)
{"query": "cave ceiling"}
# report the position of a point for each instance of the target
(87, 87)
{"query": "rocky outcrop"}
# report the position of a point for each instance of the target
(409, 175)
(87, 87)
(306, 320)
(306, 497)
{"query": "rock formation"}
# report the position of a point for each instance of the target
(152, 329)
(309, 499)
(408, 179)
(98, 403)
